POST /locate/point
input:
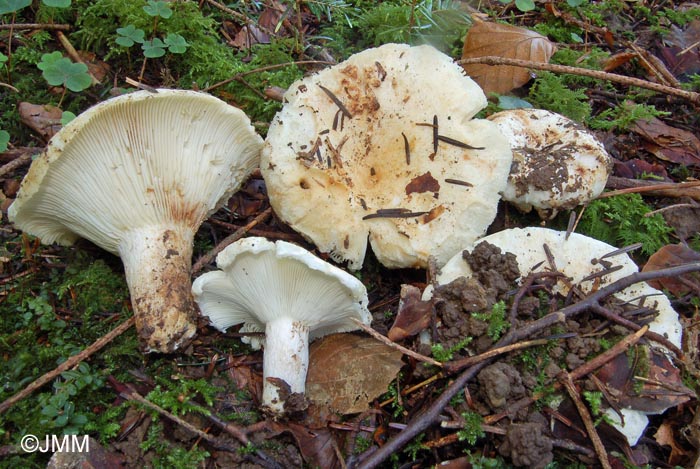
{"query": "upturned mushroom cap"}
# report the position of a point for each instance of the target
(289, 293)
(137, 175)
(557, 164)
(573, 258)
(384, 145)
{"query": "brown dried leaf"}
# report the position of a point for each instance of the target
(502, 40)
(346, 371)
(670, 256)
(680, 50)
(413, 315)
(316, 445)
(661, 387)
(664, 436)
(44, 119)
(669, 143)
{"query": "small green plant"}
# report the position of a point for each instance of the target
(550, 92)
(4, 140)
(60, 71)
(522, 5)
(497, 320)
(623, 220)
(169, 456)
(472, 430)
(444, 355)
(623, 117)
(178, 398)
(595, 403)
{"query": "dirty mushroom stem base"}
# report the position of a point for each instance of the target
(157, 263)
(286, 358)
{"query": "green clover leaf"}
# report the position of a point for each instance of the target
(158, 8)
(60, 71)
(57, 3)
(11, 6)
(130, 35)
(66, 117)
(3, 59)
(176, 43)
(153, 48)
(4, 140)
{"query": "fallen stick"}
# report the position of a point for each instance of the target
(663, 189)
(68, 364)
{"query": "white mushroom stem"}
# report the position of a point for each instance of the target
(286, 357)
(157, 262)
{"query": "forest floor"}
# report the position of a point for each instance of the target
(511, 368)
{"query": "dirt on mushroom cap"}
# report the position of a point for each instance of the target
(384, 146)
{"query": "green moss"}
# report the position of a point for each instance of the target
(550, 92)
(623, 220)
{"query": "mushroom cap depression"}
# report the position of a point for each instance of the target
(384, 145)
(140, 159)
(261, 280)
(557, 164)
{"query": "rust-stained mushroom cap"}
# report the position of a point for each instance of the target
(289, 293)
(557, 164)
(137, 175)
(384, 146)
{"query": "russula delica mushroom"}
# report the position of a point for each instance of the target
(557, 164)
(291, 295)
(384, 146)
(137, 175)
(578, 257)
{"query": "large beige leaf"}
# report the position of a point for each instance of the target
(346, 371)
(502, 40)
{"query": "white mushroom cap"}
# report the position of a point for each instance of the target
(358, 138)
(573, 258)
(557, 164)
(289, 293)
(137, 175)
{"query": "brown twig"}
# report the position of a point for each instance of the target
(238, 234)
(21, 160)
(386, 341)
(427, 418)
(691, 96)
(68, 364)
(664, 189)
(36, 26)
(456, 365)
(568, 383)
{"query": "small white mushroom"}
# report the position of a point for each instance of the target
(384, 145)
(137, 175)
(557, 164)
(291, 295)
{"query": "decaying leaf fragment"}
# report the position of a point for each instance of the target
(347, 372)
(669, 256)
(503, 40)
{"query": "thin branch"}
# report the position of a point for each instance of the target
(621, 79)
(673, 189)
(238, 234)
(36, 26)
(386, 341)
(21, 160)
(68, 364)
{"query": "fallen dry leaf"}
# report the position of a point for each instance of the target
(644, 379)
(413, 314)
(669, 143)
(680, 52)
(316, 445)
(502, 40)
(664, 436)
(673, 255)
(637, 168)
(346, 371)
(43, 119)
